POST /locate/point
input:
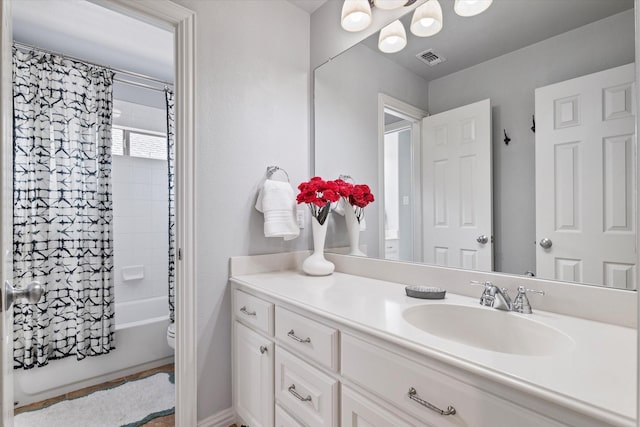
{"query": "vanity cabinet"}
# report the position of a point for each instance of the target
(297, 368)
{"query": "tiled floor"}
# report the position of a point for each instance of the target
(168, 421)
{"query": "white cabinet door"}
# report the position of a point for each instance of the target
(253, 382)
(585, 179)
(457, 197)
(358, 411)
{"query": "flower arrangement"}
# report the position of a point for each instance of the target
(318, 194)
(357, 195)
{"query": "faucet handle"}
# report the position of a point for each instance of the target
(487, 284)
(521, 303)
(487, 298)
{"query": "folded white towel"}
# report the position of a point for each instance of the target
(341, 205)
(278, 203)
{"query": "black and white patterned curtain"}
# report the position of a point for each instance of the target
(171, 153)
(62, 221)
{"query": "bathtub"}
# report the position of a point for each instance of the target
(141, 343)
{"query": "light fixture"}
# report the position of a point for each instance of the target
(393, 38)
(427, 19)
(356, 15)
(471, 7)
(389, 4)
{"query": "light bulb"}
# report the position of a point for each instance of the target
(393, 38)
(427, 22)
(471, 7)
(356, 15)
(427, 19)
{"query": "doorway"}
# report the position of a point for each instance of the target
(400, 201)
(179, 20)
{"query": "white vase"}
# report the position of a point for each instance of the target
(316, 264)
(353, 229)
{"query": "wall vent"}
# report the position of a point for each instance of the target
(430, 58)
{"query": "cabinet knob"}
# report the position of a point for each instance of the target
(263, 349)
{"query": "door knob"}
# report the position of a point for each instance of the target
(483, 240)
(546, 243)
(32, 293)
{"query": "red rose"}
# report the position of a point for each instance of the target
(361, 196)
(331, 195)
(331, 186)
(344, 188)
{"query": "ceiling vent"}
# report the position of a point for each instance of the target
(430, 58)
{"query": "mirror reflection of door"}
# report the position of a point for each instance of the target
(585, 179)
(457, 193)
(398, 198)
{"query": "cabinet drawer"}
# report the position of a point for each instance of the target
(283, 419)
(359, 411)
(253, 311)
(391, 376)
(308, 338)
(305, 392)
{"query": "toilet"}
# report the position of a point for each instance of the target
(171, 335)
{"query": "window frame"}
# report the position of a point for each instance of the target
(126, 144)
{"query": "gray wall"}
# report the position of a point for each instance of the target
(510, 81)
(252, 68)
(346, 125)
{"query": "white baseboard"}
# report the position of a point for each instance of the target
(224, 418)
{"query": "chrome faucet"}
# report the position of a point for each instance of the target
(499, 298)
(495, 297)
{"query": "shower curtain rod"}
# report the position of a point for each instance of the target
(115, 70)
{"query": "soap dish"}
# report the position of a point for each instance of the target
(425, 292)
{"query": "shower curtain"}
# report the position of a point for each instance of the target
(62, 207)
(171, 130)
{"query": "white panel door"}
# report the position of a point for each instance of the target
(6, 215)
(585, 179)
(457, 202)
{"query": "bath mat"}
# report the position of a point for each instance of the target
(130, 404)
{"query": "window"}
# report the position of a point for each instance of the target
(137, 143)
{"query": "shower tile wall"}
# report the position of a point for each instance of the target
(140, 225)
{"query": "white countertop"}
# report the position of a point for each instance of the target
(596, 377)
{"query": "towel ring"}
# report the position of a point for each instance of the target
(346, 178)
(273, 169)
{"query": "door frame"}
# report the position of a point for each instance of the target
(181, 21)
(415, 116)
(6, 156)
(636, 6)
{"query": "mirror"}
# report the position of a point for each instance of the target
(537, 96)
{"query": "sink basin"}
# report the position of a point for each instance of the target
(488, 329)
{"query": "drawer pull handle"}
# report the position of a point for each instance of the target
(292, 390)
(413, 395)
(293, 336)
(247, 312)
(263, 349)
